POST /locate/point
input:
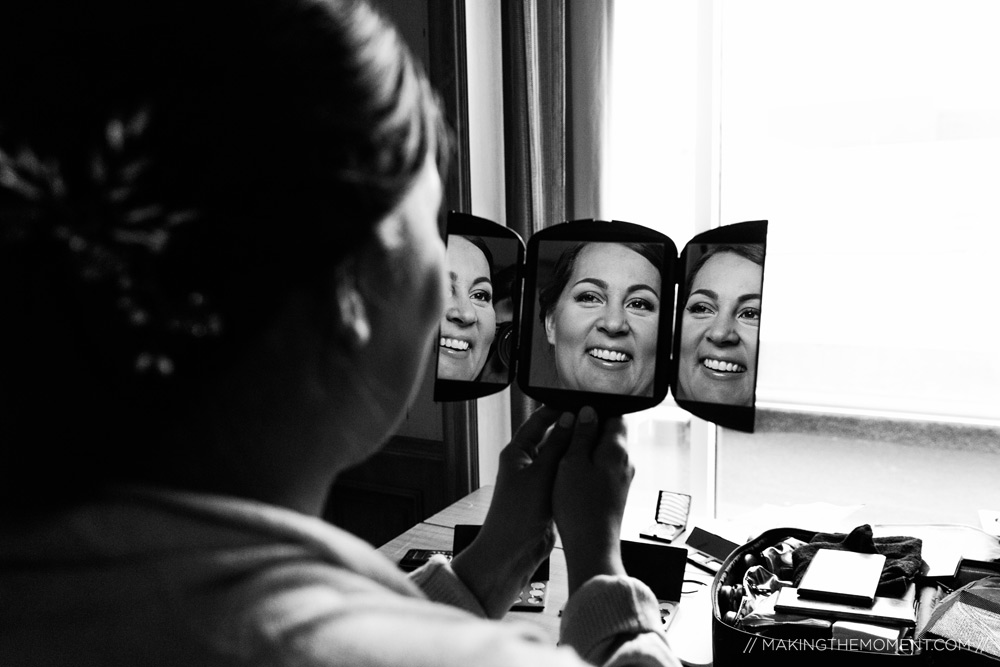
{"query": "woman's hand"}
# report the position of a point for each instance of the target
(517, 534)
(589, 497)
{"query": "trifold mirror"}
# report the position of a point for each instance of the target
(585, 316)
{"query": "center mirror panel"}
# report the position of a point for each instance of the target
(598, 309)
(478, 331)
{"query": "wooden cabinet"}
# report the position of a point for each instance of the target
(397, 488)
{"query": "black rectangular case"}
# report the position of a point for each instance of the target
(734, 647)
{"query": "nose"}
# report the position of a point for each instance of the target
(460, 310)
(723, 331)
(615, 321)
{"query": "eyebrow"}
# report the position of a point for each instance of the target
(715, 295)
(480, 279)
(603, 285)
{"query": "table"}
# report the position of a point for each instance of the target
(690, 633)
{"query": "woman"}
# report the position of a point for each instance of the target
(221, 274)
(720, 326)
(601, 315)
(469, 324)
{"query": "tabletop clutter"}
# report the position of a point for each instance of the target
(857, 592)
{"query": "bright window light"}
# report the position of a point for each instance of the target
(651, 178)
(868, 134)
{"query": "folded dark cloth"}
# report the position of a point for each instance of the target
(902, 556)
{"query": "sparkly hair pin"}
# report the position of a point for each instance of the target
(115, 230)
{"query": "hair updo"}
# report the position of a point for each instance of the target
(168, 173)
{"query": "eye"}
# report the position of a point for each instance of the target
(700, 309)
(590, 298)
(482, 296)
(640, 304)
(751, 315)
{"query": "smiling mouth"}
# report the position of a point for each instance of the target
(454, 344)
(723, 366)
(609, 355)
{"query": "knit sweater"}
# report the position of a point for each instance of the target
(164, 577)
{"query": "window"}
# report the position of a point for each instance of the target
(868, 134)
(654, 112)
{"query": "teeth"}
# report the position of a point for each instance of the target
(454, 343)
(724, 366)
(608, 355)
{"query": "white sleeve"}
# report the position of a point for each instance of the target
(609, 621)
(440, 584)
(615, 621)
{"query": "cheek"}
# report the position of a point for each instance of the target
(646, 331)
(488, 321)
(572, 325)
(752, 337)
(692, 332)
(490, 331)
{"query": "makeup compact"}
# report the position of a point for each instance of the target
(604, 313)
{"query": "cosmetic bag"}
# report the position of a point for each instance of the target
(796, 645)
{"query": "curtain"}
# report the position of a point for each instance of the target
(448, 72)
(555, 56)
(589, 55)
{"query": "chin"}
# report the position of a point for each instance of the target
(647, 390)
(449, 374)
(726, 398)
(606, 388)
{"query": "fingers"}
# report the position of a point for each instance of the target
(610, 447)
(600, 442)
(533, 429)
(557, 442)
(584, 437)
(581, 435)
(531, 438)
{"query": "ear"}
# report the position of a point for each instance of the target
(550, 330)
(353, 324)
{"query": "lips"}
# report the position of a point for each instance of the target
(454, 344)
(721, 366)
(609, 355)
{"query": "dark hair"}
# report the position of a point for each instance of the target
(751, 251)
(168, 173)
(548, 294)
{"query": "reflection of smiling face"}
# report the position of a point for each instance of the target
(469, 323)
(604, 326)
(719, 334)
